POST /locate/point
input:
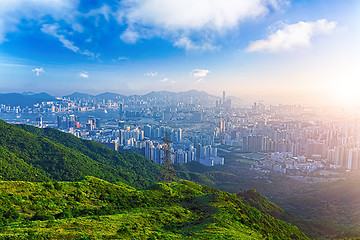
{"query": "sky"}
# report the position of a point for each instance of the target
(283, 51)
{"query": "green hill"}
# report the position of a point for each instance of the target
(34, 154)
(45, 194)
(253, 198)
(96, 209)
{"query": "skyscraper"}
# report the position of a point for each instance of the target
(39, 121)
(166, 115)
(222, 126)
(179, 135)
(147, 131)
(121, 110)
(197, 156)
(62, 122)
(223, 97)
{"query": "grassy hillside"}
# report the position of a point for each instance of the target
(45, 155)
(29, 153)
(328, 210)
(96, 209)
(253, 198)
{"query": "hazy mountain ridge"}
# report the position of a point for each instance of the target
(30, 98)
(78, 95)
(168, 94)
(18, 99)
(109, 95)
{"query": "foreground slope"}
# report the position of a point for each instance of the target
(34, 154)
(324, 210)
(97, 209)
(254, 199)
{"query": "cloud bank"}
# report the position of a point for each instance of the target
(46, 13)
(181, 20)
(187, 24)
(293, 36)
(12, 12)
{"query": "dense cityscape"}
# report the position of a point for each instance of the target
(290, 139)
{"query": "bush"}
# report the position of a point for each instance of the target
(123, 230)
(42, 216)
(57, 185)
(48, 185)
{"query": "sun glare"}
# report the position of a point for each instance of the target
(347, 91)
(346, 95)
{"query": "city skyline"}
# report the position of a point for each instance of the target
(277, 51)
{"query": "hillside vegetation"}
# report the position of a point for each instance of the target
(254, 199)
(33, 154)
(45, 194)
(96, 209)
(325, 210)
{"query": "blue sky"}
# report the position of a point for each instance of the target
(278, 50)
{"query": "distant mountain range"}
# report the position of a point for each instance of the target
(109, 95)
(31, 98)
(25, 99)
(190, 93)
(77, 95)
(106, 96)
(153, 94)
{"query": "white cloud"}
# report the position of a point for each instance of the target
(189, 45)
(293, 36)
(84, 75)
(160, 77)
(195, 15)
(77, 27)
(130, 36)
(38, 71)
(53, 30)
(89, 54)
(199, 73)
(104, 10)
(151, 74)
(12, 12)
(178, 20)
(199, 80)
(122, 58)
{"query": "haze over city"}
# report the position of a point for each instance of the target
(279, 51)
